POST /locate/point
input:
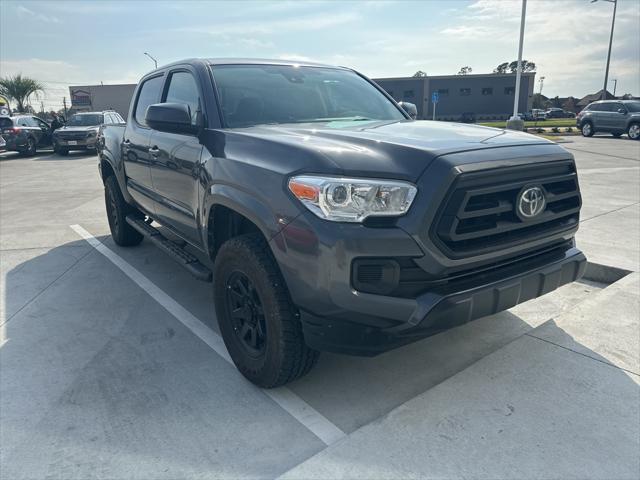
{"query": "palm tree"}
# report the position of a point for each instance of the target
(19, 89)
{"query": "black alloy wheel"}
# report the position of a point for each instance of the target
(247, 314)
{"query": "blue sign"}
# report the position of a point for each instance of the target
(435, 96)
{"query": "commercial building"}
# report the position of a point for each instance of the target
(486, 96)
(86, 98)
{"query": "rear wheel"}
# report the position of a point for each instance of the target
(634, 131)
(587, 129)
(117, 210)
(30, 148)
(259, 324)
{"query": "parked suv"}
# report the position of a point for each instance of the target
(326, 217)
(81, 131)
(611, 116)
(25, 133)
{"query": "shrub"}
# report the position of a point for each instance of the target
(568, 129)
(555, 130)
(539, 130)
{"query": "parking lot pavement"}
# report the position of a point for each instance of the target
(99, 379)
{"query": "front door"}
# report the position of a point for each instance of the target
(135, 145)
(176, 162)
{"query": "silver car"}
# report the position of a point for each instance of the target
(611, 116)
(81, 131)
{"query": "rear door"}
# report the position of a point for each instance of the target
(176, 160)
(135, 145)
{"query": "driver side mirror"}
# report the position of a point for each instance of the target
(170, 117)
(622, 111)
(410, 108)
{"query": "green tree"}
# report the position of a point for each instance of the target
(465, 70)
(19, 89)
(420, 73)
(511, 67)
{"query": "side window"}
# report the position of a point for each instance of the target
(183, 89)
(599, 107)
(148, 95)
(108, 118)
(41, 123)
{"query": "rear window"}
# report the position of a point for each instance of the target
(6, 122)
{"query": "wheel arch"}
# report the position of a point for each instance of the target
(230, 212)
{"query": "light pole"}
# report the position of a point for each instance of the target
(154, 60)
(615, 85)
(613, 22)
(515, 122)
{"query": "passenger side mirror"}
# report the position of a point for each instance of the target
(410, 108)
(622, 111)
(170, 117)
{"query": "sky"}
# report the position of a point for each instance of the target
(64, 43)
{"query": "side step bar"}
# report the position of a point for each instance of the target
(175, 251)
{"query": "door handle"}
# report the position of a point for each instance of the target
(154, 151)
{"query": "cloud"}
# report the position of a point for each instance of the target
(25, 12)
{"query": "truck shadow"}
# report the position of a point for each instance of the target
(58, 297)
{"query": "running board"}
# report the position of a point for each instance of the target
(175, 251)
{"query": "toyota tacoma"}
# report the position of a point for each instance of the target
(327, 218)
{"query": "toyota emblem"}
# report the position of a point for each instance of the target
(530, 203)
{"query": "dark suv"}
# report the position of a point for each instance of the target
(611, 116)
(81, 131)
(25, 133)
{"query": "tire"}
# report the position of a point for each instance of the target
(264, 335)
(60, 150)
(31, 149)
(117, 210)
(634, 131)
(587, 129)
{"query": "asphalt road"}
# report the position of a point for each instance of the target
(111, 365)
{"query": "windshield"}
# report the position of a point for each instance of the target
(633, 106)
(86, 120)
(259, 94)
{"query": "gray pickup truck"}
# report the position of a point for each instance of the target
(327, 218)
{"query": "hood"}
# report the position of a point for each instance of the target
(394, 150)
(77, 128)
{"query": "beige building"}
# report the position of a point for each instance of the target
(85, 98)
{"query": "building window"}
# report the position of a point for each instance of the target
(443, 92)
(509, 90)
(487, 91)
(408, 94)
(465, 92)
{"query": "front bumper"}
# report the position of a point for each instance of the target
(446, 307)
(71, 144)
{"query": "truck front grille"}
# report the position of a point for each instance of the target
(479, 212)
(72, 135)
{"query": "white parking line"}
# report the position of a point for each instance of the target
(308, 416)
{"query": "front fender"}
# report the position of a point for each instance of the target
(268, 221)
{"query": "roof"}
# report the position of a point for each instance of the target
(587, 99)
(250, 61)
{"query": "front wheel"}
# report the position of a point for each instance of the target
(259, 324)
(117, 210)
(587, 129)
(634, 131)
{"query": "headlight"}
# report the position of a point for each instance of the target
(92, 133)
(352, 199)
